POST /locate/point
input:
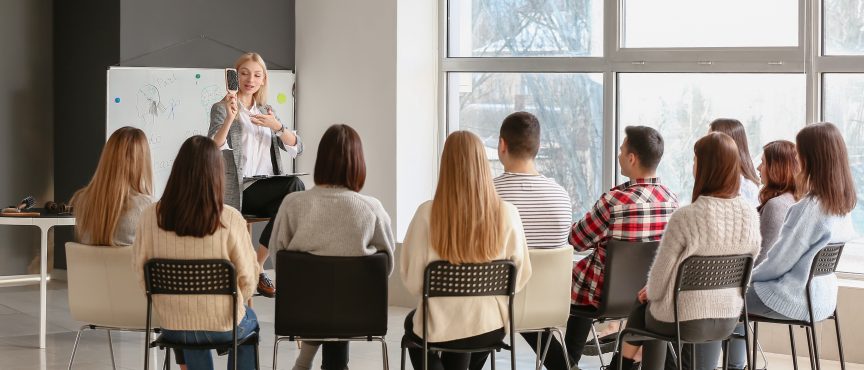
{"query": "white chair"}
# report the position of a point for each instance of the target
(544, 304)
(104, 291)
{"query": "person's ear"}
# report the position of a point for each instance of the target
(633, 160)
(502, 146)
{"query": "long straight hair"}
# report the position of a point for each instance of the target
(124, 167)
(781, 169)
(717, 165)
(825, 172)
(260, 96)
(192, 202)
(735, 129)
(465, 223)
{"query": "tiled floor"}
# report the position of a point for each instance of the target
(19, 327)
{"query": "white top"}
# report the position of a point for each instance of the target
(749, 191)
(453, 318)
(544, 207)
(256, 144)
(707, 227)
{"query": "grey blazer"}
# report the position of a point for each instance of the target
(234, 158)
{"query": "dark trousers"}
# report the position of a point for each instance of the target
(334, 355)
(449, 360)
(554, 358)
(264, 197)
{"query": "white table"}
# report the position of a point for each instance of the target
(44, 223)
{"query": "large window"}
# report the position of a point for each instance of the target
(588, 68)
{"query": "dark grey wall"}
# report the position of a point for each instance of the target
(263, 26)
(26, 109)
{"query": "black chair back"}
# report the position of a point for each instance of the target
(714, 272)
(624, 274)
(330, 297)
(826, 260)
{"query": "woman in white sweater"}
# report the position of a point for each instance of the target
(717, 223)
(466, 222)
(333, 219)
(749, 188)
(190, 222)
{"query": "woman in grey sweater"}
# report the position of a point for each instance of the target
(778, 170)
(333, 219)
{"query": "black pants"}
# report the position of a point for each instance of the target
(264, 197)
(449, 360)
(334, 355)
(554, 358)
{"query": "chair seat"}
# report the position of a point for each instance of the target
(758, 318)
(250, 219)
(643, 334)
(587, 312)
(408, 342)
(162, 343)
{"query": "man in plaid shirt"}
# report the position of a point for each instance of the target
(635, 211)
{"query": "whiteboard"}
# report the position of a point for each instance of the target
(172, 104)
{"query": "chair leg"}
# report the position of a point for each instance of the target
(257, 356)
(540, 354)
(693, 356)
(751, 364)
(725, 355)
(839, 341)
(111, 350)
(493, 359)
(384, 353)
(402, 360)
(548, 344)
(75, 346)
(167, 364)
(564, 347)
(597, 344)
(810, 347)
(276, 340)
(755, 344)
(794, 351)
(815, 346)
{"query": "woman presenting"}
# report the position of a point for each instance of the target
(250, 134)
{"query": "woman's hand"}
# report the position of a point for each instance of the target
(643, 295)
(230, 101)
(266, 120)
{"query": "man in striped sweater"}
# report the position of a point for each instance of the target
(544, 206)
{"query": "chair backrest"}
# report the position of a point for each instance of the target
(826, 260)
(331, 297)
(545, 301)
(208, 277)
(103, 288)
(624, 274)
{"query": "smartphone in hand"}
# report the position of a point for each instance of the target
(232, 81)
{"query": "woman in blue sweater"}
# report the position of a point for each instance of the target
(827, 196)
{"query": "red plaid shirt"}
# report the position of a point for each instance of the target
(636, 211)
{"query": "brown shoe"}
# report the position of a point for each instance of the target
(265, 286)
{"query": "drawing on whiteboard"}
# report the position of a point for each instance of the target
(149, 105)
(209, 95)
(173, 105)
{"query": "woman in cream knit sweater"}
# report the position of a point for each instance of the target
(188, 223)
(717, 223)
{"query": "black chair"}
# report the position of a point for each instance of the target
(824, 263)
(329, 299)
(443, 279)
(198, 277)
(625, 272)
(701, 273)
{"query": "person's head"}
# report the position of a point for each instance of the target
(519, 138)
(735, 129)
(640, 152)
(778, 170)
(124, 167)
(340, 160)
(192, 202)
(252, 73)
(716, 167)
(465, 220)
(825, 172)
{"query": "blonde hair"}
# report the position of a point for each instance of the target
(259, 96)
(124, 167)
(466, 221)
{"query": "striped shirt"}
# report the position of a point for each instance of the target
(636, 211)
(544, 207)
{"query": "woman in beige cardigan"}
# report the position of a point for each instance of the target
(189, 223)
(466, 222)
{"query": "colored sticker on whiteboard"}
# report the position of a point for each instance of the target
(117, 99)
(281, 98)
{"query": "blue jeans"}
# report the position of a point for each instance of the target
(202, 359)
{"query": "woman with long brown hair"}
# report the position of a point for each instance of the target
(827, 196)
(190, 222)
(778, 171)
(107, 209)
(749, 187)
(466, 222)
(717, 222)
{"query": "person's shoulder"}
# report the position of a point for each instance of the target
(780, 203)
(140, 200)
(232, 216)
